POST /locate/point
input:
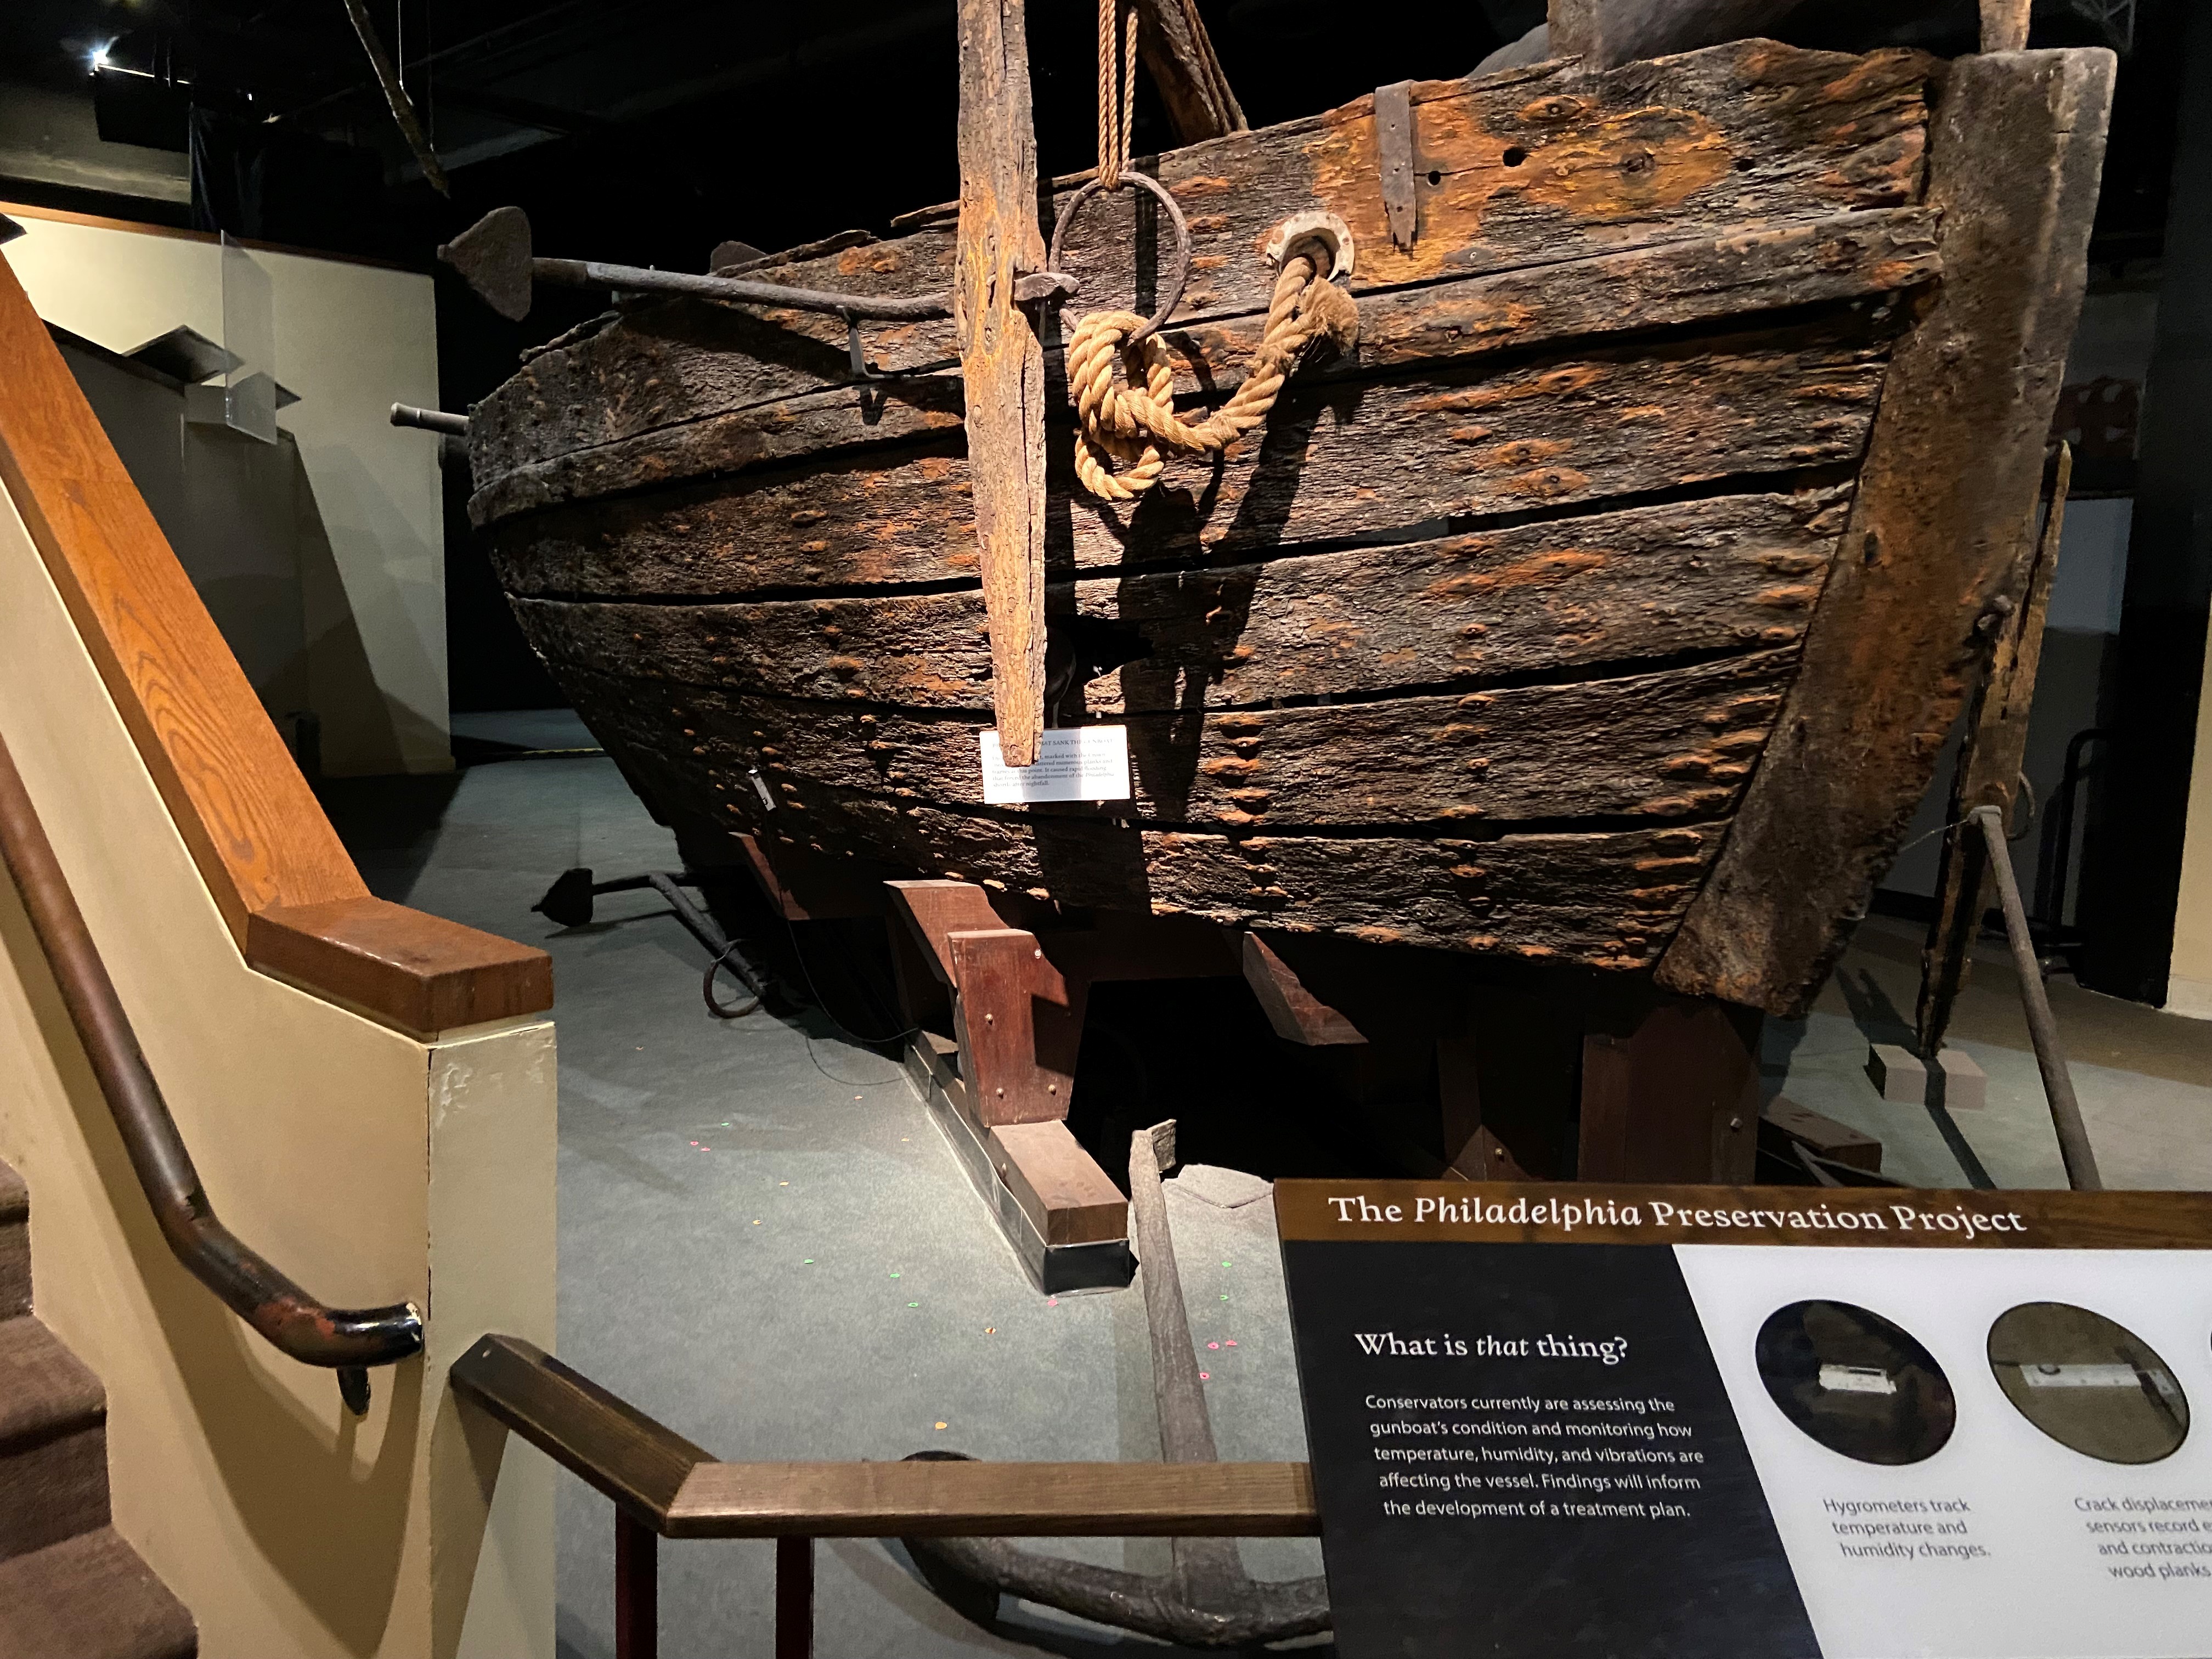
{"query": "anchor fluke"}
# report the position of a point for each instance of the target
(493, 256)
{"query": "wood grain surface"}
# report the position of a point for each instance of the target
(1737, 572)
(1607, 898)
(1339, 459)
(1001, 358)
(1542, 165)
(1677, 743)
(1943, 509)
(1715, 280)
(1011, 1500)
(595, 1435)
(272, 863)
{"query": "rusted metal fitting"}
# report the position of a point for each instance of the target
(1315, 226)
(1181, 273)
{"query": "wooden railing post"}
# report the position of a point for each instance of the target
(637, 1589)
(794, 1598)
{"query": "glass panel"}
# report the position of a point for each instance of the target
(249, 333)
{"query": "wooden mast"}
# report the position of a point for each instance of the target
(1001, 360)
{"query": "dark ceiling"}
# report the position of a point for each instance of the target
(646, 130)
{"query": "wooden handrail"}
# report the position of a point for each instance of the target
(679, 1490)
(286, 889)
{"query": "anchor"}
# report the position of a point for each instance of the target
(1207, 1599)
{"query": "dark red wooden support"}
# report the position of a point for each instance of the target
(794, 1598)
(1673, 1097)
(637, 1590)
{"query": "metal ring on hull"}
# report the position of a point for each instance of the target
(1182, 276)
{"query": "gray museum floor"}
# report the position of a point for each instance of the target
(766, 1244)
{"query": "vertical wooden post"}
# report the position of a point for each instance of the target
(1675, 1100)
(1020, 1025)
(1953, 471)
(2005, 24)
(1472, 1147)
(1173, 40)
(1001, 360)
(794, 1598)
(637, 1590)
(1988, 775)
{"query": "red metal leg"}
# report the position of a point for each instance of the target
(637, 1590)
(794, 1598)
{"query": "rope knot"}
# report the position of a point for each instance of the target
(1131, 421)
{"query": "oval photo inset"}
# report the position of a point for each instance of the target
(2089, 1384)
(1856, 1382)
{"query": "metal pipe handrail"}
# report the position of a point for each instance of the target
(349, 1339)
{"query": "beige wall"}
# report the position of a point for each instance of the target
(370, 1167)
(2189, 983)
(351, 340)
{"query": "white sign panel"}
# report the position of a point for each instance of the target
(2005, 1540)
(1074, 763)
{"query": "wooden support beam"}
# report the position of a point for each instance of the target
(1068, 1198)
(1472, 1148)
(1988, 773)
(1822, 1136)
(2005, 24)
(936, 910)
(1932, 546)
(1295, 1012)
(1020, 1023)
(803, 885)
(1171, 38)
(1001, 360)
(1674, 1099)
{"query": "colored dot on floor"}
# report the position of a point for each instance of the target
(1205, 1376)
(1213, 1345)
(940, 1425)
(914, 1305)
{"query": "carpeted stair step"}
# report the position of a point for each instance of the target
(15, 1245)
(53, 1441)
(90, 1597)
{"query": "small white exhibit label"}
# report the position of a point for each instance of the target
(1074, 763)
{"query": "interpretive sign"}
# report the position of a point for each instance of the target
(1781, 1423)
(1074, 763)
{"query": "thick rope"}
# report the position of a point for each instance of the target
(1129, 423)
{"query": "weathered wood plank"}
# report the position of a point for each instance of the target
(1001, 358)
(1675, 285)
(1988, 775)
(1172, 38)
(1606, 899)
(1548, 164)
(1338, 461)
(1949, 485)
(1734, 572)
(1673, 745)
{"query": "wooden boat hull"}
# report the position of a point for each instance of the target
(1480, 644)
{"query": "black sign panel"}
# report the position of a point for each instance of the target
(1524, 1451)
